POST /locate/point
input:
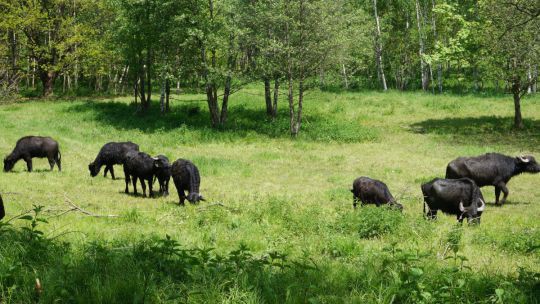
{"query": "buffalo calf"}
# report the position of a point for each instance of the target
(34, 146)
(372, 191)
(113, 153)
(459, 197)
(186, 178)
(163, 175)
(141, 166)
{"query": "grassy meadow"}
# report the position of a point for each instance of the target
(285, 230)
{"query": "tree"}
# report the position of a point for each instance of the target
(47, 26)
(512, 36)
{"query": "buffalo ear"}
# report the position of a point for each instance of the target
(352, 190)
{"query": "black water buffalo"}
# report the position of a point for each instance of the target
(29, 147)
(186, 177)
(113, 153)
(2, 210)
(372, 191)
(459, 197)
(163, 175)
(139, 165)
(492, 169)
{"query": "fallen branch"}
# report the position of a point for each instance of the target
(77, 208)
(20, 215)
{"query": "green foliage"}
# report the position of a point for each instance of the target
(371, 222)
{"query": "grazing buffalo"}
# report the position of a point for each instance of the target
(113, 153)
(372, 191)
(186, 178)
(460, 197)
(163, 175)
(139, 165)
(2, 210)
(34, 146)
(492, 169)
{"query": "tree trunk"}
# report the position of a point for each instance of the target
(276, 96)
(298, 120)
(535, 79)
(267, 97)
(379, 48)
(167, 94)
(162, 97)
(516, 90)
(439, 65)
(291, 103)
(423, 72)
(225, 102)
(47, 80)
(345, 79)
(529, 80)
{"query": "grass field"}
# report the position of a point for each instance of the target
(285, 230)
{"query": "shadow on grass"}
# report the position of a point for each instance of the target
(242, 122)
(483, 130)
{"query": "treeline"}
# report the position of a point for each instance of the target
(216, 46)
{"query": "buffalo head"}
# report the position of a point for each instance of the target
(527, 164)
(473, 212)
(8, 164)
(93, 169)
(195, 197)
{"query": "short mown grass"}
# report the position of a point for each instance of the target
(285, 229)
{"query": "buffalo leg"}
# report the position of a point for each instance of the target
(166, 188)
(505, 191)
(58, 161)
(497, 194)
(28, 161)
(432, 214)
(51, 162)
(182, 197)
(134, 182)
(181, 194)
(111, 169)
(105, 171)
(143, 185)
(355, 202)
(150, 191)
(127, 182)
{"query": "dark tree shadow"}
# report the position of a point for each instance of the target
(483, 130)
(242, 122)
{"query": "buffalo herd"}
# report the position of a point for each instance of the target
(457, 194)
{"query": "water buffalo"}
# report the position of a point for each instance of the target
(492, 169)
(372, 191)
(186, 178)
(459, 197)
(139, 165)
(2, 210)
(163, 175)
(113, 153)
(29, 147)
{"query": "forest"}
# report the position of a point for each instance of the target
(150, 47)
(269, 151)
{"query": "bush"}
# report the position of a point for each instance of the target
(372, 222)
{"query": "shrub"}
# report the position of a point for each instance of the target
(372, 222)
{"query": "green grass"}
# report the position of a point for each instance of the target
(288, 232)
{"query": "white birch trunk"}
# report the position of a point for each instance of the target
(379, 48)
